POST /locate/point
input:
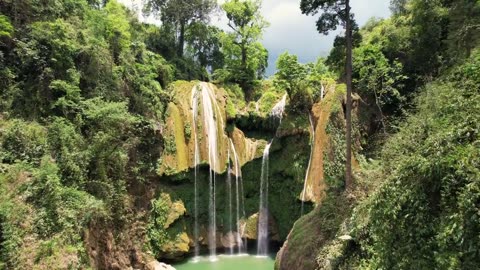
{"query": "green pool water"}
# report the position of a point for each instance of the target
(228, 263)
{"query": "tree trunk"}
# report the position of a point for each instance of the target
(245, 83)
(244, 56)
(181, 39)
(348, 70)
(382, 118)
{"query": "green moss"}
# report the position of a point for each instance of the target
(334, 160)
(235, 95)
(231, 110)
(268, 101)
(188, 131)
(338, 97)
(180, 142)
(170, 145)
(312, 231)
(294, 123)
(165, 236)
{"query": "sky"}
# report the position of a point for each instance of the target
(294, 32)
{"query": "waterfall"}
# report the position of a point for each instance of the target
(262, 244)
(229, 198)
(277, 110)
(312, 142)
(262, 230)
(322, 92)
(209, 106)
(196, 161)
(238, 177)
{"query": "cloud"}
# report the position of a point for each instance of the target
(292, 31)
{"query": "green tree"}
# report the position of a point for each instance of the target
(375, 74)
(335, 13)
(429, 22)
(289, 72)
(117, 29)
(291, 76)
(245, 56)
(203, 42)
(337, 56)
(303, 82)
(398, 6)
(464, 27)
(181, 14)
(6, 28)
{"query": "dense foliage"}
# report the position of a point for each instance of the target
(303, 82)
(79, 93)
(417, 203)
(394, 57)
(245, 56)
(84, 93)
(426, 213)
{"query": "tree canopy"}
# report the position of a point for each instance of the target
(181, 14)
(245, 57)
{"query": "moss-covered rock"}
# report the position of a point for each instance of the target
(311, 232)
(179, 143)
(289, 155)
(166, 233)
(251, 228)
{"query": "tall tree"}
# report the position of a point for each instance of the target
(335, 13)
(181, 14)
(203, 43)
(245, 55)
(464, 27)
(398, 6)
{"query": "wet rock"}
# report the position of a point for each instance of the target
(250, 226)
(230, 240)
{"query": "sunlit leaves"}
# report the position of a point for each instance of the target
(6, 28)
(245, 57)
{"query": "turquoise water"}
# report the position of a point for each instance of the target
(246, 262)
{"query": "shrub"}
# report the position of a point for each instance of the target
(26, 141)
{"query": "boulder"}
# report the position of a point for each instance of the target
(251, 227)
(156, 265)
(230, 240)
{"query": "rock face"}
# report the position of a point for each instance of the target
(166, 228)
(249, 130)
(318, 227)
(251, 228)
(108, 252)
(314, 188)
(178, 155)
(230, 240)
(155, 265)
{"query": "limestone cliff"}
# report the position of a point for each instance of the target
(288, 160)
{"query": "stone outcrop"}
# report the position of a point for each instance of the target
(314, 188)
(251, 226)
(155, 265)
(288, 163)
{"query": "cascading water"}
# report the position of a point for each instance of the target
(238, 175)
(277, 111)
(262, 230)
(208, 105)
(196, 160)
(310, 160)
(262, 244)
(229, 199)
